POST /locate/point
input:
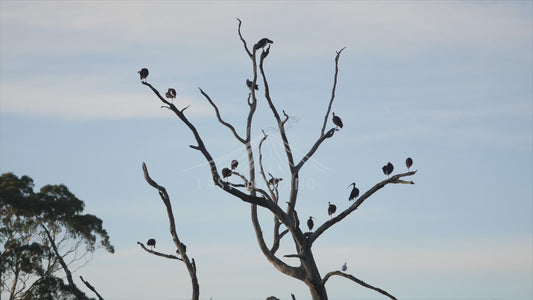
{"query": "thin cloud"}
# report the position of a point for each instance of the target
(81, 104)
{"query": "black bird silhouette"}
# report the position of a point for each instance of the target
(331, 208)
(409, 163)
(262, 43)
(354, 193)
(275, 181)
(171, 93)
(143, 73)
(226, 172)
(234, 164)
(337, 121)
(249, 84)
(310, 223)
(387, 169)
(344, 267)
(151, 243)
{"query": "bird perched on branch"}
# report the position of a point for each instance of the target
(344, 267)
(331, 208)
(387, 169)
(171, 93)
(151, 243)
(310, 223)
(143, 73)
(262, 43)
(249, 84)
(354, 193)
(337, 121)
(274, 181)
(226, 172)
(234, 164)
(409, 163)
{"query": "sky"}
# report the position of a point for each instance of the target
(448, 83)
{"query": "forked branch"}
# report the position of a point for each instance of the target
(191, 267)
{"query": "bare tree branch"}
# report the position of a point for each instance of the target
(220, 118)
(92, 288)
(181, 249)
(278, 118)
(356, 204)
(296, 272)
(242, 39)
(351, 277)
(324, 135)
(314, 148)
(332, 90)
(79, 294)
(202, 148)
(169, 256)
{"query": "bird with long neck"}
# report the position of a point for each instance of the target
(354, 193)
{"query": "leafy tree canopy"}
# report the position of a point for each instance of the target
(28, 263)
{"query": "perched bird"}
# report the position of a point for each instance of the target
(354, 193)
(409, 163)
(226, 172)
(234, 164)
(337, 121)
(171, 93)
(344, 267)
(275, 181)
(143, 73)
(249, 84)
(310, 223)
(387, 169)
(262, 43)
(331, 208)
(151, 243)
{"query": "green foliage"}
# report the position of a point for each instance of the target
(28, 263)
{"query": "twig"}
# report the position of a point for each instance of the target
(220, 118)
(359, 281)
(332, 90)
(242, 39)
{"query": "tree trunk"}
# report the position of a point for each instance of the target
(313, 280)
(318, 291)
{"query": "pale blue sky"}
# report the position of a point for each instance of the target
(448, 83)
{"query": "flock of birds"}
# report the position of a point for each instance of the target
(226, 172)
(332, 208)
(171, 93)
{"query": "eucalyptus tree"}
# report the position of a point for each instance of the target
(258, 190)
(44, 235)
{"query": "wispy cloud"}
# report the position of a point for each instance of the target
(74, 103)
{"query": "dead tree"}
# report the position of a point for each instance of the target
(249, 190)
(181, 248)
